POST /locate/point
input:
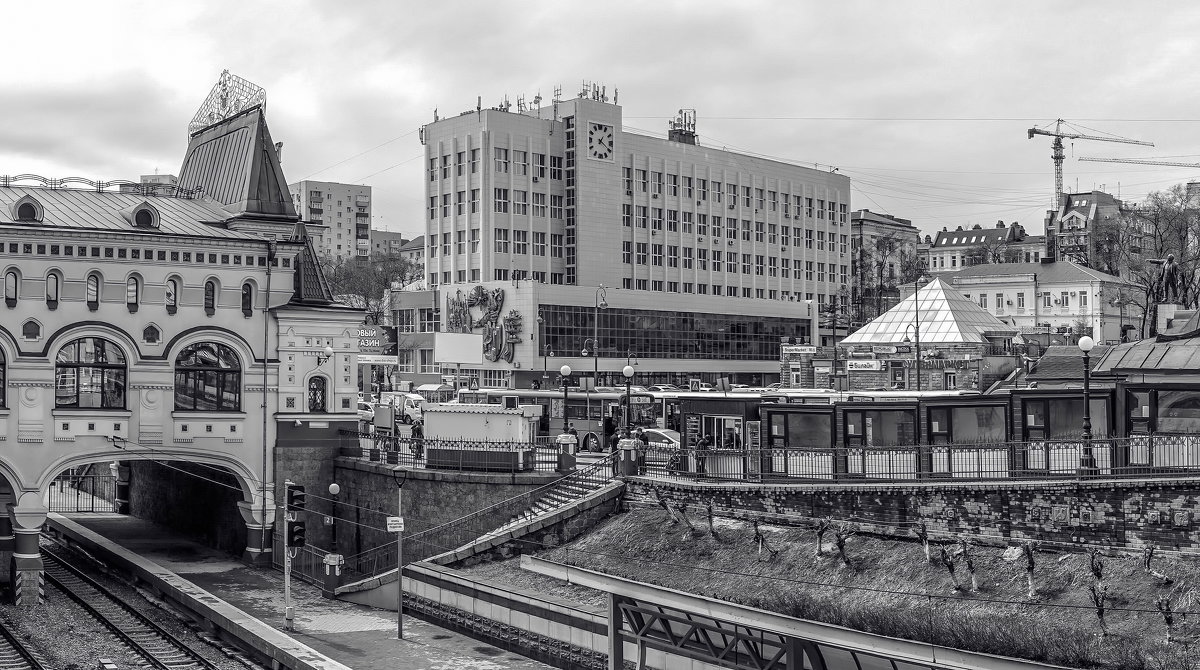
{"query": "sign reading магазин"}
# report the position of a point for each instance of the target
(376, 340)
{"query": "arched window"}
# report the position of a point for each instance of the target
(90, 373)
(151, 335)
(10, 288)
(208, 378)
(210, 297)
(172, 295)
(131, 294)
(52, 285)
(93, 292)
(27, 212)
(318, 391)
(31, 330)
(247, 299)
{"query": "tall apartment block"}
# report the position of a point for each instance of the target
(661, 249)
(340, 214)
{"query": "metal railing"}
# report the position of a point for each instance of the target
(82, 493)
(1136, 456)
(308, 564)
(465, 455)
(453, 534)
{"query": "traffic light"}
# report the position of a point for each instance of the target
(295, 534)
(296, 497)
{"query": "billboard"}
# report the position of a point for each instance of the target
(376, 340)
(458, 348)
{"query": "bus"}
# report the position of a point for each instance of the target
(596, 414)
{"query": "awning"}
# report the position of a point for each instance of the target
(434, 387)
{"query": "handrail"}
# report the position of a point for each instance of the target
(602, 464)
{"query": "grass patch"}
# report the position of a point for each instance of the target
(891, 589)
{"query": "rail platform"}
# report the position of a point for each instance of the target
(328, 635)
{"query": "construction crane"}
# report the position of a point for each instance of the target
(1058, 154)
(1138, 161)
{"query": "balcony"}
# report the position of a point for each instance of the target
(362, 215)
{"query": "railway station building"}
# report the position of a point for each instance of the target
(168, 329)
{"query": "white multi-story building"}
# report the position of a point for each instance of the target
(699, 244)
(1057, 297)
(342, 214)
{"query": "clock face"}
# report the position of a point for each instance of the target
(600, 141)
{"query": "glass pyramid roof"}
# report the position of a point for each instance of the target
(943, 314)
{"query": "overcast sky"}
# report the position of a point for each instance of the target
(924, 105)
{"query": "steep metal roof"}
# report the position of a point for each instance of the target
(944, 315)
(235, 162)
(311, 287)
(90, 209)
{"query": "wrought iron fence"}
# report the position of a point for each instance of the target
(82, 493)
(463, 530)
(1135, 456)
(468, 455)
(308, 564)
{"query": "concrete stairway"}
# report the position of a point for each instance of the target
(561, 494)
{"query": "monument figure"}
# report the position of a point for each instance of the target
(1166, 287)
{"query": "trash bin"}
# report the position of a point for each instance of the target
(567, 444)
(627, 455)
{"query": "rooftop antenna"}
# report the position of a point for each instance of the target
(557, 97)
(520, 104)
(478, 103)
(435, 118)
(614, 95)
(537, 102)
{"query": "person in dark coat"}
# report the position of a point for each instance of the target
(417, 441)
(702, 450)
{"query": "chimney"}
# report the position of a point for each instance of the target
(999, 224)
(958, 229)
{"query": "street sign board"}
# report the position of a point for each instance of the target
(640, 399)
(395, 524)
(474, 386)
(799, 349)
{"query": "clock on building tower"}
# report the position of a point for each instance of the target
(600, 141)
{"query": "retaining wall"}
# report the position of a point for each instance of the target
(1125, 513)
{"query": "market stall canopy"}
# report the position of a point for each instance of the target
(943, 314)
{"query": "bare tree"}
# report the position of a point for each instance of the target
(948, 560)
(712, 530)
(823, 526)
(964, 548)
(1163, 603)
(922, 533)
(681, 508)
(1096, 565)
(762, 542)
(842, 533)
(1027, 548)
(1099, 594)
(1147, 557)
(366, 283)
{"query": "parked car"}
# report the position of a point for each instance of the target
(408, 405)
(663, 387)
(776, 385)
(365, 411)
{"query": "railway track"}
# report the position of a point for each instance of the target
(15, 654)
(159, 648)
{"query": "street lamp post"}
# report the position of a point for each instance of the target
(545, 367)
(628, 373)
(1088, 460)
(564, 376)
(601, 303)
(334, 490)
(916, 327)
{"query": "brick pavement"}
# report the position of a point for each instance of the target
(357, 636)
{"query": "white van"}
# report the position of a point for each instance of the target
(407, 405)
